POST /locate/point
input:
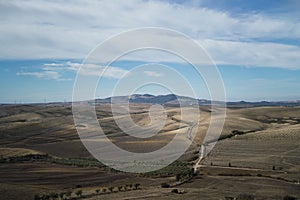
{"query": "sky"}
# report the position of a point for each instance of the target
(255, 45)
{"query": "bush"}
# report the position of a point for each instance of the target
(62, 195)
(178, 177)
(111, 189)
(245, 197)
(37, 197)
(79, 193)
(137, 185)
(287, 197)
(54, 195)
(175, 191)
(69, 193)
(165, 185)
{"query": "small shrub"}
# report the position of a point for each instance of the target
(287, 197)
(79, 193)
(62, 195)
(111, 189)
(178, 176)
(137, 185)
(54, 195)
(245, 197)
(175, 191)
(37, 197)
(229, 198)
(165, 185)
(69, 193)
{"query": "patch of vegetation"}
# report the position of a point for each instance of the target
(232, 134)
(173, 169)
(29, 157)
(174, 191)
(193, 158)
(165, 185)
(78, 193)
(79, 162)
(245, 197)
(287, 197)
(223, 174)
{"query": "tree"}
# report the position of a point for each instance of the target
(97, 191)
(287, 197)
(245, 197)
(79, 193)
(191, 173)
(69, 193)
(165, 185)
(104, 190)
(54, 195)
(175, 191)
(111, 189)
(46, 197)
(120, 188)
(273, 167)
(62, 194)
(137, 185)
(37, 197)
(229, 164)
(178, 177)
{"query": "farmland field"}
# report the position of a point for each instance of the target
(41, 153)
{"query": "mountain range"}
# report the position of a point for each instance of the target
(176, 100)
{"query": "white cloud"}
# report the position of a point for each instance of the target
(98, 70)
(56, 29)
(48, 75)
(53, 64)
(152, 73)
(54, 71)
(253, 53)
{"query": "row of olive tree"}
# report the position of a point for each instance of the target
(118, 189)
(68, 195)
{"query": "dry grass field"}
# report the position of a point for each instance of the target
(41, 153)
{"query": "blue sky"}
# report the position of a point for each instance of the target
(255, 45)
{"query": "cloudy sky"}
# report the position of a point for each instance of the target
(255, 44)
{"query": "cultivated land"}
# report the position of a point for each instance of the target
(257, 157)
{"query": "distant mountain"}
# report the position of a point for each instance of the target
(263, 103)
(176, 100)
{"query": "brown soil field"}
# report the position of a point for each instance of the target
(263, 161)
